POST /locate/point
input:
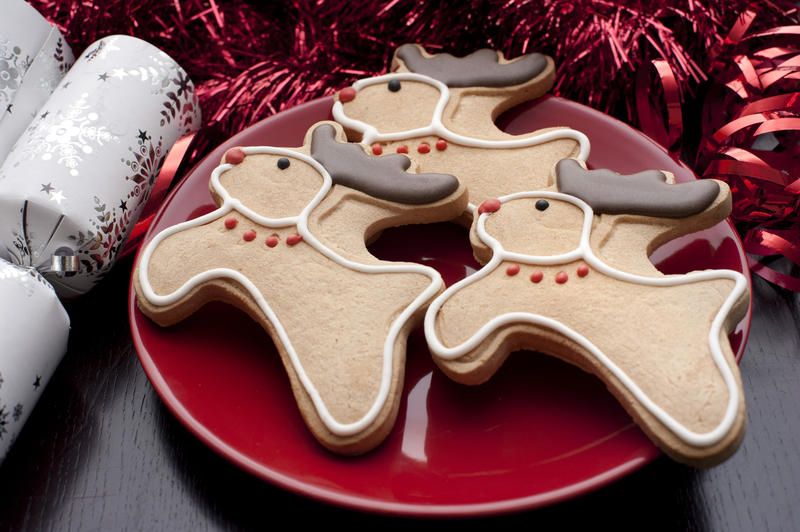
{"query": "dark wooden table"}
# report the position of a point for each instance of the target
(101, 451)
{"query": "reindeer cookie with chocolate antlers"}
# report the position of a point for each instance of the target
(286, 244)
(440, 110)
(659, 342)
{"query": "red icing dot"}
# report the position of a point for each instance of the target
(234, 156)
(441, 144)
(230, 223)
(293, 239)
(249, 235)
(537, 276)
(271, 241)
(347, 94)
(424, 147)
(583, 270)
(490, 205)
(561, 277)
(402, 149)
(377, 149)
(512, 270)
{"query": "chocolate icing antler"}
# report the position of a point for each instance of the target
(646, 193)
(478, 69)
(382, 177)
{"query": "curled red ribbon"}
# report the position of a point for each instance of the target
(650, 118)
(750, 135)
(770, 243)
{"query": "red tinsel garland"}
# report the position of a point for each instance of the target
(251, 59)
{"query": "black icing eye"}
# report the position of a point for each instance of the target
(542, 205)
(283, 163)
(394, 85)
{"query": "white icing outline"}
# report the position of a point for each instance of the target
(229, 203)
(584, 252)
(436, 127)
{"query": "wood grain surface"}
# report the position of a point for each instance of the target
(101, 452)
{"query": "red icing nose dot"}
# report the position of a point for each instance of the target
(293, 239)
(490, 205)
(377, 149)
(347, 94)
(441, 144)
(249, 235)
(230, 223)
(402, 149)
(234, 156)
(512, 270)
(537, 276)
(561, 277)
(583, 270)
(424, 148)
(271, 241)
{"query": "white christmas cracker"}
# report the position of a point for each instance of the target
(71, 189)
(34, 328)
(33, 59)
(74, 183)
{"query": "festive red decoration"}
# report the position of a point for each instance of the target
(750, 128)
(252, 59)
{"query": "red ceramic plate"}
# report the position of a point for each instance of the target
(539, 432)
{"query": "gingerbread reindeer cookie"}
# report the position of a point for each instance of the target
(659, 342)
(281, 246)
(440, 110)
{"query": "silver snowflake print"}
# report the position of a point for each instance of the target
(10, 75)
(70, 136)
(3, 421)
